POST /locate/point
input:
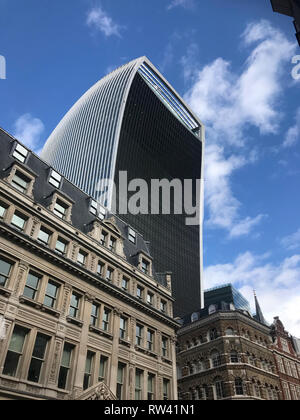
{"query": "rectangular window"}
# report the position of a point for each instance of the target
(163, 306)
(20, 182)
(166, 389)
(44, 236)
(19, 221)
(150, 298)
(139, 292)
(106, 319)
(5, 270)
(120, 381)
(81, 258)
(151, 384)
(125, 284)
(100, 268)
(15, 351)
(87, 381)
(60, 209)
(164, 347)
(103, 239)
(132, 235)
(65, 366)
(109, 274)
(139, 335)
(20, 153)
(55, 179)
(3, 208)
(32, 285)
(145, 266)
(74, 306)
(112, 243)
(51, 294)
(123, 327)
(139, 384)
(38, 358)
(61, 246)
(103, 369)
(150, 340)
(95, 315)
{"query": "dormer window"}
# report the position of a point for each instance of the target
(20, 182)
(20, 153)
(81, 258)
(103, 239)
(145, 266)
(112, 243)
(132, 235)
(97, 210)
(55, 179)
(60, 209)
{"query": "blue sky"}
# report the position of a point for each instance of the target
(232, 62)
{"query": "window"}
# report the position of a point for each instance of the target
(32, 285)
(60, 209)
(15, 351)
(19, 221)
(280, 364)
(112, 243)
(44, 236)
(109, 274)
(100, 268)
(151, 382)
(219, 387)
(51, 294)
(103, 239)
(20, 182)
(65, 366)
(38, 358)
(166, 389)
(95, 315)
(163, 306)
(138, 384)
(3, 208)
(88, 370)
(239, 386)
(5, 270)
(285, 346)
(120, 381)
(106, 319)
(229, 331)
(132, 235)
(286, 391)
(125, 284)
(234, 358)
(123, 327)
(139, 292)
(213, 334)
(150, 298)
(81, 258)
(103, 369)
(55, 179)
(61, 246)
(97, 210)
(145, 266)
(74, 306)
(150, 340)
(139, 335)
(164, 347)
(215, 359)
(212, 309)
(20, 153)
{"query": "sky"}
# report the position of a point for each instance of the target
(234, 62)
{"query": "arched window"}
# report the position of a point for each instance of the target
(234, 357)
(239, 386)
(215, 358)
(213, 334)
(219, 388)
(212, 309)
(229, 331)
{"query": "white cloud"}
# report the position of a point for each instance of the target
(277, 285)
(293, 134)
(229, 103)
(28, 130)
(186, 4)
(292, 241)
(98, 19)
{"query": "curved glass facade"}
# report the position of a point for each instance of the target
(132, 120)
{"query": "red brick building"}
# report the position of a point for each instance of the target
(287, 361)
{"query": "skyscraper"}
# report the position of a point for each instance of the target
(133, 120)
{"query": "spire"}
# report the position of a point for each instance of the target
(258, 315)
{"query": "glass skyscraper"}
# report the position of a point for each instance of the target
(133, 120)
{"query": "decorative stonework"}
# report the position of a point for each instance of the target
(55, 363)
(23, 268)
(98, 392)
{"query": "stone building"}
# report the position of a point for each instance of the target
(83, 314)
(287, 361)
(224, 354)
